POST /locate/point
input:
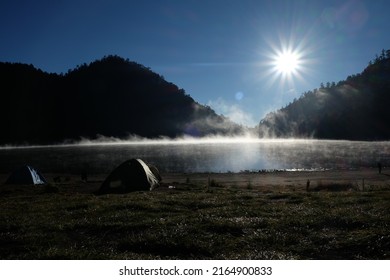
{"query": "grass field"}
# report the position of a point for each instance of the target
(194, 221)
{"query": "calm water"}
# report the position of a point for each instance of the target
(203, 156)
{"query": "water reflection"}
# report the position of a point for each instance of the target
(203, 156)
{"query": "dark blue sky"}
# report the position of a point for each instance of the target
(220, 52)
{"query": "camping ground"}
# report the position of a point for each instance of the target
(266, 215)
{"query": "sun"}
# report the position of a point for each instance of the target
(287, 62)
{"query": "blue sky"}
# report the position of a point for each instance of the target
(222, 53)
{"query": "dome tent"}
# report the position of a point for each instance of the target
(132, 175)
(26, 175)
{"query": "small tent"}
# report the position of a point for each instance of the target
(26, 175)
(131, 175)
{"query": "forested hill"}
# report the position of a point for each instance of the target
(110, 97)
(355, 109)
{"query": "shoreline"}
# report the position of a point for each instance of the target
(296, 179)
(277, 181)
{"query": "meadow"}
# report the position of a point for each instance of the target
(210, 219)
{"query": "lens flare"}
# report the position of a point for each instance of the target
(286, 64)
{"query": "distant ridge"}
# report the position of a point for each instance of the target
(355, 109)
(112, 96)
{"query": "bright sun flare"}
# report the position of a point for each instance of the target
(287, 62)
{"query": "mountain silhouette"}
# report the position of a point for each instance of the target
(355, 109)
(112, 97)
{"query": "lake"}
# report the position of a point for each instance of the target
(205, 155)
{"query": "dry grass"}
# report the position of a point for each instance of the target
(194, 222)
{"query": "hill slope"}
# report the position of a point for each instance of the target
(111, 97)
(355, 109)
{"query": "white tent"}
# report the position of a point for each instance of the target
(26, 175)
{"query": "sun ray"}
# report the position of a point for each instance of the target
(286, 63)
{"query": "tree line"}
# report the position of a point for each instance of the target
(111, 97)
(357, 108)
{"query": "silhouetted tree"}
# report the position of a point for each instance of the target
(111, 96)
(356, 109)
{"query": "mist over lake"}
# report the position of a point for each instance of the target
(218, 155)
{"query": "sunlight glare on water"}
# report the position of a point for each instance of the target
(212, 154)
